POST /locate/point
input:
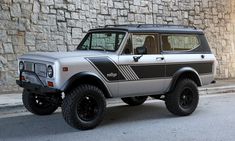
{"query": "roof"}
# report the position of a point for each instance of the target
(159, 28)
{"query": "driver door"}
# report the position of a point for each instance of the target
(144, 75)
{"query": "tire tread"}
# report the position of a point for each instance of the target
(171, 98)
(69, 102)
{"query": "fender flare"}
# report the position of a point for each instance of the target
(81, 75)
(186, 70)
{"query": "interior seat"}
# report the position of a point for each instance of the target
(165, 44)
(150, 44)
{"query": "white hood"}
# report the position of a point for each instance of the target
(60, 55)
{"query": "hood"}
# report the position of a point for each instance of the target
(61, 55)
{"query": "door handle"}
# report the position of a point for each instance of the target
(202, 56)
(160, 58)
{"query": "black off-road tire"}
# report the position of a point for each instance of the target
(84, 107)
(184, 99)
(36, 105)
(134, 101)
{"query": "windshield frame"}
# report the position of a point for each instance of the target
(102, 31)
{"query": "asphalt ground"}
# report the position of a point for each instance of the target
(213, 120)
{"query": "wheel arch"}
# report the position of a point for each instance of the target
(86, 78)
(186, 72)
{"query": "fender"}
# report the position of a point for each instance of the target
(189, 72)
(83, 75)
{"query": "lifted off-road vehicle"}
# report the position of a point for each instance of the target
(132, 62)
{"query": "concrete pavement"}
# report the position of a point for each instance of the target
(221, 86)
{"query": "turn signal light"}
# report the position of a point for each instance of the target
(22, 78)
(65, 68)
(50, 84)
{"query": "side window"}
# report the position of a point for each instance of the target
(179, 42)
(119, 38)
(128, 49)
(141, 40)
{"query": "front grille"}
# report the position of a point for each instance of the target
(41, 69)
(35, 73)
(29, 66)
(38, 68)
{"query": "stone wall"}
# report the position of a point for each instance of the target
(59, 25)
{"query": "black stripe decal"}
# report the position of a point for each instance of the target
(154, 71)
(149, 71)
(201, 68)
(113, 72)
(107, 68)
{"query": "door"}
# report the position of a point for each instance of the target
(142, 66)
(184, 50)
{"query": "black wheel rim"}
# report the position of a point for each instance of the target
(87, 108)
(186, 98)
(40, 102)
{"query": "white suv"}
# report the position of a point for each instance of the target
(166, 62)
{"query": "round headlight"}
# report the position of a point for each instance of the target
(21, 66)
(50, 71)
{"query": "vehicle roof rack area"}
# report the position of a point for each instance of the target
(152, 25)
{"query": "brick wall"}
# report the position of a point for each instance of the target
(59, 25)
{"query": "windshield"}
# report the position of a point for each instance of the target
(106, 41)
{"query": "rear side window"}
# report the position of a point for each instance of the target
(179, 42)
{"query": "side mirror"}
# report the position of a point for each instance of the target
(141, 50)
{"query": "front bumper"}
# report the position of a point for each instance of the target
(35, 88)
